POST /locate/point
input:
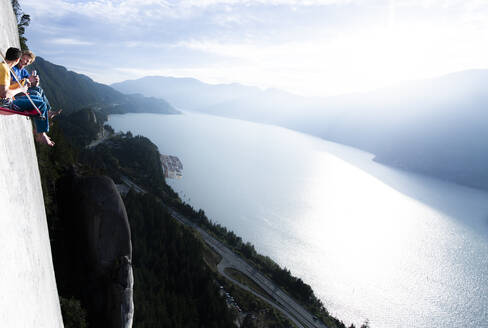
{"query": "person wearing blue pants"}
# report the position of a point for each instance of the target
(32, 80)
(41, 122)
(12, 57)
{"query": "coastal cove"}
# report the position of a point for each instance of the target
(400, 249)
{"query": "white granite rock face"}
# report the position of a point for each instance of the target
(28, 293)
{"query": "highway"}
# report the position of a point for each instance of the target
(132, 185)
(283, 302)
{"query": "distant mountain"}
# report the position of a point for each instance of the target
(72, 91)
(185, 93)
(192, 94)
(231, 100)
(437, 126)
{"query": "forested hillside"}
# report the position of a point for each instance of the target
(173, 286)
(72, 91)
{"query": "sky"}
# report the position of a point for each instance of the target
(311, 48)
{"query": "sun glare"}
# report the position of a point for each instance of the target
(354, 61)
(375, 58)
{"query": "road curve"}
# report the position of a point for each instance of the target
(284, 303)
(225, 264)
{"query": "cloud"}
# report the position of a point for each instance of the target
(138, 10)
(130, 11)
(68, 41)
(360, 60)
(332, 44)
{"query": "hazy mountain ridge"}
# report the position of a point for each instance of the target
(434, 126)
(72, 91)
(180, 91)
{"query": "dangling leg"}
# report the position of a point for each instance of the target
(41, 122)
(43, 138)
(42, 125)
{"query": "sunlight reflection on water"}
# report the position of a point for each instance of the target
(400, 249)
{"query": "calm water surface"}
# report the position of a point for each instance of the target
(397, 248)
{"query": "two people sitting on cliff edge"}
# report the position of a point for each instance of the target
(21, 103)
(20, 71)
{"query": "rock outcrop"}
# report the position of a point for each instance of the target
(28, 292)
(97, 222)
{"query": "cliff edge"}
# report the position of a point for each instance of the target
(29, 296)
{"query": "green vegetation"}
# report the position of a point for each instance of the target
(138, 159)
(83, 126)
(299, 290)
(72, 91)
(245, 280)
(23, 20)
(74, 315)
(135, 157)
(259, 313)
(173, 285)
(211, 258)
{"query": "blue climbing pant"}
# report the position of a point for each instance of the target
(24, 104)
(39, 92)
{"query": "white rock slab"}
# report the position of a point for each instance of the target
(28, 293)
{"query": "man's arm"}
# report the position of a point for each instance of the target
(6, 92)
(19, 89)
(4, 80)
(3, 91)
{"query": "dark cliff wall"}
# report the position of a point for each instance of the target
(95, 264)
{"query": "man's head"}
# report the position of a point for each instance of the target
(13, 54)
(27, 58)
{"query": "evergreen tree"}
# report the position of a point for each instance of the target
(23, 20)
